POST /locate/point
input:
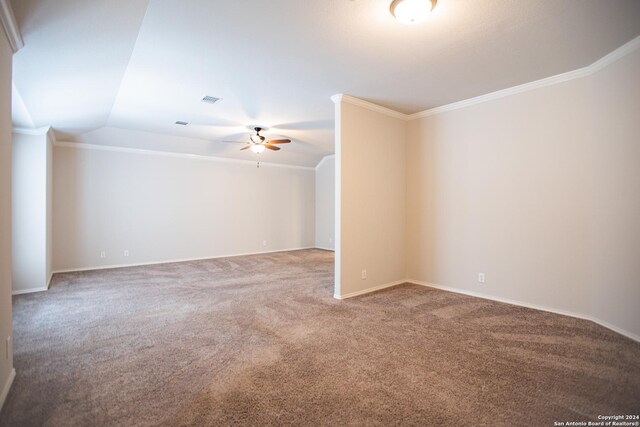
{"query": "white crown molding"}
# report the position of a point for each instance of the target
(606, 60)
(548, 81)
(527, 305)
(85, 146)
(45, 130)
(10, 26)
(34, 132)
(612, 57)
(348, 99)
(321, 162)
(601, 63)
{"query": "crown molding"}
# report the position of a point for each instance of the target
(348, 99)
(321, 162)
(85, 146)
(33, 132)
(612, 57)
(337, 98)
(548, 81)
(42, 131)
(10, 25)
(598, 65)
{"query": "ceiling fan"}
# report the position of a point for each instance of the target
(258, 143)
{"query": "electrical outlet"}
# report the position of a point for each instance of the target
(264, 243)
(330, 239)
(103, 254)
(126, 252)
(481, 277)
(364, 274)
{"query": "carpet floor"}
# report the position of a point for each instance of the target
(259, 340)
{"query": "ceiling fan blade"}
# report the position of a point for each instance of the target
(235, 142)
(245, 148)
(271, 147)
(279, 141)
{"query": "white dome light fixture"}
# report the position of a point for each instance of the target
(411, 12)
(257, 148)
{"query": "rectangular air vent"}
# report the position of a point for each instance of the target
(181, 123)
(210, 99)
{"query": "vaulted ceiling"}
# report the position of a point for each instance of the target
(91, 68)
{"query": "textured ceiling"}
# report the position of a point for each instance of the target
(142, 65)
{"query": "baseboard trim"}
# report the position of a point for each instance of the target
(325, 249)
(369, 290)
(171, 261)
(7, 387)
(616, 329)
(30, 290)
(527, 305)
(498, 299)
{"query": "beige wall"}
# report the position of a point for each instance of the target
(325, 203)
(6, 364)
(615, 190)
(501, 188)
(540, 191)
(370, 152)
(31, 206)
(165, 207)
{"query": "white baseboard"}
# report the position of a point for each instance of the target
(7, 387)
(528, 305)
(29, 291)
(171, 261)
(32, 290)
(499, 299)
(616, 329)
(325, 249)
(368, 290)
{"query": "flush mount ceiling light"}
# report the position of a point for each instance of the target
(412, 11)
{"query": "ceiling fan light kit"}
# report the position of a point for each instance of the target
(257, 148)
(411, 12)
(258, 143)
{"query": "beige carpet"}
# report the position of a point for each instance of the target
(259, 340)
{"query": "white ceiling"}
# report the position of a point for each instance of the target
(95, 65)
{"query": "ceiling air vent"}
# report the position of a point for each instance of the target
(181, 123)
(210, 99)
